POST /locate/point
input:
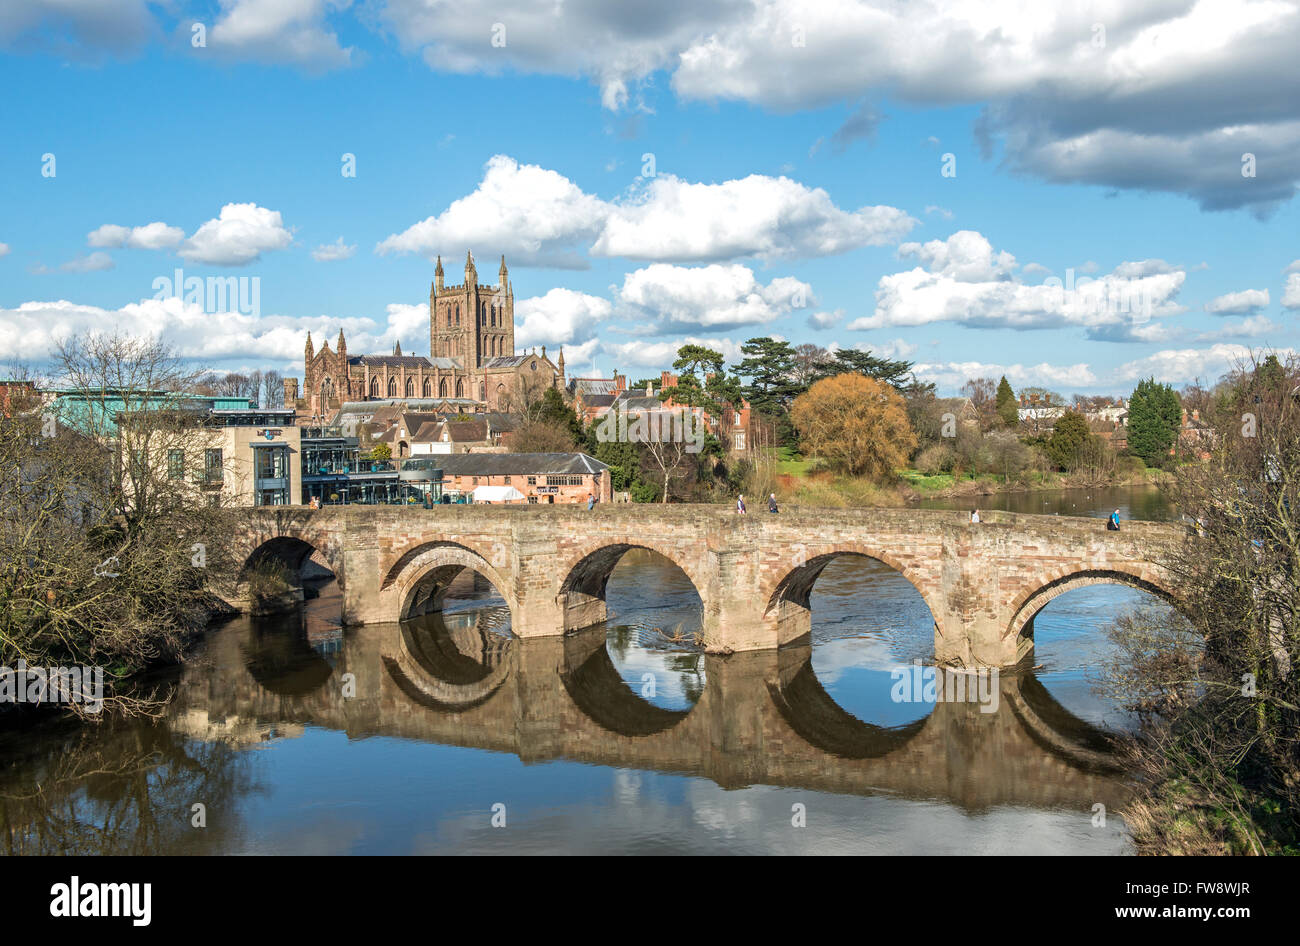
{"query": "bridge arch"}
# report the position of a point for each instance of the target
(287, 544)
(586, 577)
(418, 581)
(787, 597)
(1020, 615)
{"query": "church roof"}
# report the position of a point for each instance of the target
(405, 361)
(594, 385)
(510, 361)
(391, 361)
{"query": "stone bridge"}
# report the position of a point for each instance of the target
(983, 582)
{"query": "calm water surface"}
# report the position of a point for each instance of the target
(298, 737)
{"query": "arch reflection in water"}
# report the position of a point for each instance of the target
(1071, 647)
(868, 623)
(384, 756)
(453, 660)
(651, 635)
(292, 654)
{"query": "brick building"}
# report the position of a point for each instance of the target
(543, 478)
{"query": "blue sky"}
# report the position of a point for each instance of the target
(797, 189)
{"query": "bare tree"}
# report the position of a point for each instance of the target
(982, 393)
(107, 548)
(809, 363)
(667, 457)
(272, 395)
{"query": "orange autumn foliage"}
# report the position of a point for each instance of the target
(855, 424)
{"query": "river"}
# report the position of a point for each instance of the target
(447, 735)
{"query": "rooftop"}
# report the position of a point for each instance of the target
(517, 464)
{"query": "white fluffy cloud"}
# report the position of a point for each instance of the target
(293, 31)
(707, 298)
(28, 332)
(533, 214)
(771, 218)
(561, 317)
(659, 354)
(966, 255)
(1251, 327)
(539, 216)
(1238, 303)
(1291, 296)
(965, 281)
(953, 374)
(238, 236)
(330, 252)
(151, 236)
(4, 249)
(824, 320)
(1174, 366)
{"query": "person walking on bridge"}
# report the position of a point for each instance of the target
(771, 503)
(740, 504)
(1112, 524)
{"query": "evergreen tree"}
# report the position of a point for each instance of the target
(1006, 404)
(893, 373)
(1154, 419)
(556, 413)
(702, 380)
(769, 365)
(1069, 438)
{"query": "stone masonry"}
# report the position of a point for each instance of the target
(983, 582)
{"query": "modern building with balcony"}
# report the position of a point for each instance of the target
(335, 471)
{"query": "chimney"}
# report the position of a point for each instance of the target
(1196, 413)
(649, 389)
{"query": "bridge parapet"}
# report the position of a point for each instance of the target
(983, 582)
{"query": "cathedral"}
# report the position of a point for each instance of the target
(471, 365)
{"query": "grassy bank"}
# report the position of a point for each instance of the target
(803, 480)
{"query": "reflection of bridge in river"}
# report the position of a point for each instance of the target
(763, 717)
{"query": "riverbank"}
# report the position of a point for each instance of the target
(801, 484)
